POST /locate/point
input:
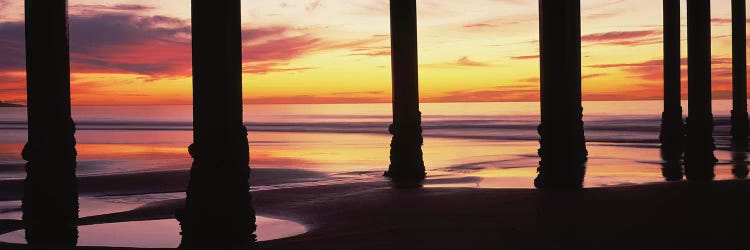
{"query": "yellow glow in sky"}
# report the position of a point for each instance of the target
(337, 51)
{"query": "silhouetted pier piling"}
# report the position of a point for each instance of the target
(563, 145)
(672, 135)
(407, 166)
(217, 213)
(50, 202)
(699, 154)
(740, 121)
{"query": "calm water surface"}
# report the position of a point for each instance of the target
(495, 142)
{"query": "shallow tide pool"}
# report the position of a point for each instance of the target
(158, 233)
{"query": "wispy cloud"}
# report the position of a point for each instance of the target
(278, 48)
(104, 41)
(316, 99)
(624, 38)
(312, 6)
(724, 20)
(372, 51)
(598, 16)
(525, 57)
(271, 67)
(519, 92)
(79, 9)
(478, 25)
(464, 61)
(156, 46)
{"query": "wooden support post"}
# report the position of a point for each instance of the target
(699, 153)
(407, 166)
(50, 202)
(563, 145)
(740, 121)
(218, 213)
(672, 134)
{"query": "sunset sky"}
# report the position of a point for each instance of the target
(337, 51)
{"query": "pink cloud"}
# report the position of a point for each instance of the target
(478, 25)
(525, 57)
(492, 94)
(270, 67)
(600, 16)
(589, 76)
(625, 38)
(465, 61)
(724, 20)
(120, 39)
(278, 48)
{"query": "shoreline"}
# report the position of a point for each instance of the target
(163, 181)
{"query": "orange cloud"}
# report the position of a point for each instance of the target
(491, 94)
(341, 97)
(465, 61)
(724, 20)
(524, 57)
(626, 38)
(478, 25)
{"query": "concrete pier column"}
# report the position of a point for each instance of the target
(739, 75)
(672, 134)
(218, 213)
(50, 202)
(562, 144)
(699, 153)
(407, 166)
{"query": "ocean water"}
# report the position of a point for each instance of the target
(493, 145)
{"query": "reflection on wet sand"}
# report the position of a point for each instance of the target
(672, 161)
(157, 233)
(739, 161)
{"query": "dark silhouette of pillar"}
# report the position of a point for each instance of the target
(218, 213)
(740, 121)
(50, 202)
(672, 134)
(563, 145)
(699, 154)
(407, 166)
(739, 163)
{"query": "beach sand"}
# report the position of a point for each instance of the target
(373, 215)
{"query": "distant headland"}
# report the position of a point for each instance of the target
(9, 105)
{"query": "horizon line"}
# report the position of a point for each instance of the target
(384, 102)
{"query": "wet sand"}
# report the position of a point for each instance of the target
(160, 182)
(372, 215)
